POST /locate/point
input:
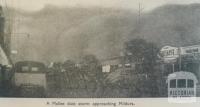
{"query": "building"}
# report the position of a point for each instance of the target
(185, 58)
(110, 65)
(181, 58)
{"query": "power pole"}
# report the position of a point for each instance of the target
(179, 58)
(140, 9)
(139, 12)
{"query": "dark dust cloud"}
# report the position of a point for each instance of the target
(58, 34)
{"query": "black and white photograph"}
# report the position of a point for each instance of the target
(100, 49)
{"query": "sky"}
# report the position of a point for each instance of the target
(35, 5)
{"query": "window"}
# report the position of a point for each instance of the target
(181, 83)
(190, 83)
(173, 83)
(35, 69)
(25, 68)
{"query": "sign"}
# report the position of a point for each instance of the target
(169, 53)
(195, 49)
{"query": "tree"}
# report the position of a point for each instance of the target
(145, 55)
(70, 74)
(91, 71)
(91, 65)
(139, 50)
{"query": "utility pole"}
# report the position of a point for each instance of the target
(180, 58)
(139, 12)
(140, 9)
(179, 51)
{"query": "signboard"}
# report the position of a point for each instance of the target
(169, 53)
(195, 49)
